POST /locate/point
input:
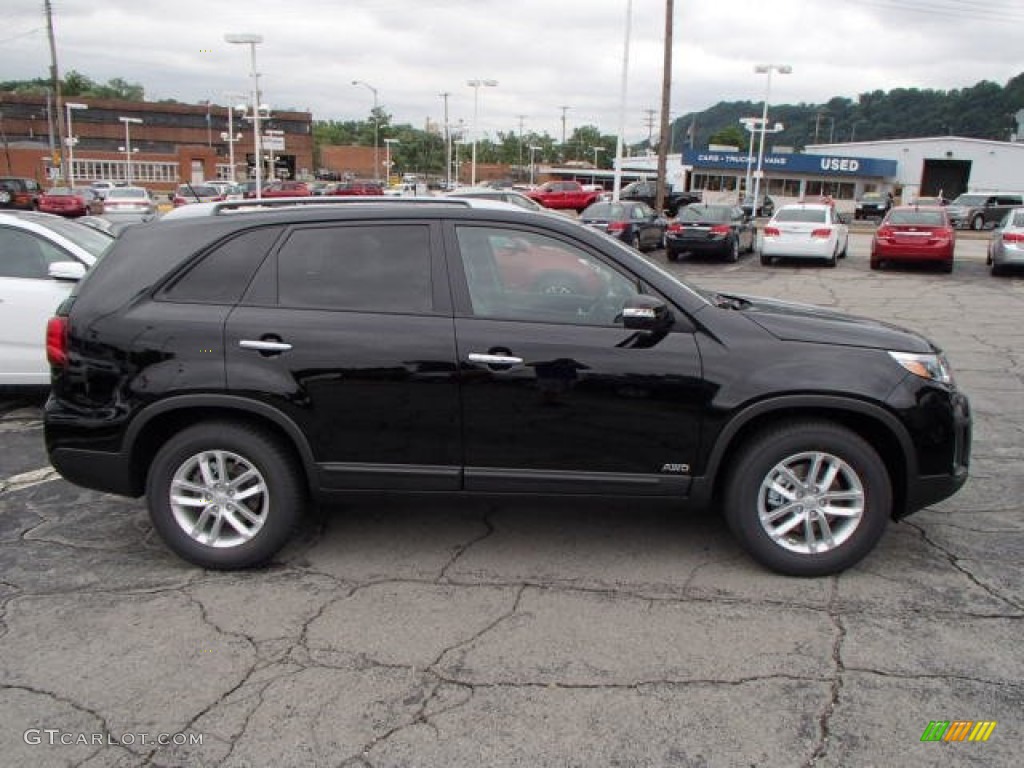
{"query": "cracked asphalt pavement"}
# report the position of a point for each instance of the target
(525, 633)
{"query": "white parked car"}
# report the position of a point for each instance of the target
(41, 258)
(805, 231)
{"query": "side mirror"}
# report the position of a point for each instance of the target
(66, 270)
(646, 313)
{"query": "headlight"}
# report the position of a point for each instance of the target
(931, 367)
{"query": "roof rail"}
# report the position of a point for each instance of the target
(194, 210)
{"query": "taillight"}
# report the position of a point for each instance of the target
(57, 341)
(617, 226)
(884, 233)
(720, 229)
(823, 232)
(675, 226)
(1013, 237)
(771, 232)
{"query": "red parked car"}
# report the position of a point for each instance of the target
(287, 189)
(360, 188)
(63, 201)
(914, 233)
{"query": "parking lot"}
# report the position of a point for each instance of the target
(520, 632)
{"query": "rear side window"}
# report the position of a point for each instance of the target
(371, 268)
(223, 274)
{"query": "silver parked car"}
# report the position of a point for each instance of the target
(129, 204)
(1006, 248)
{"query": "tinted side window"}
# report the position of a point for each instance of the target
(378, 268)
(223, 274)
(515, 275)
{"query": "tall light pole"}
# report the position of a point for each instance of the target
(72, 140)
(252, 41)
(128, 122)
(475, 85)
(593, 176)
(533, 160)
(762, 69)
(387, 155)
(752, 124)
(231, 137)
(447, 144)
(376, 128)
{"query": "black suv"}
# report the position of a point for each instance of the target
(233, 368)
(647, 192)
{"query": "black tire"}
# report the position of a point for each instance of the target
(733, 254)
(671, 255)
(753, 242)
(766, 261)
(767, 462)
(272, 486)
(946, 267)
(846, 247)
(634, 242)
(876, 263)
(832, 260)
(978, 222)
(998, 270)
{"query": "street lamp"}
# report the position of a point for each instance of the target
(533, 161)
(761, 69)
(475, 85)
(72, 141)
(252, 41)
(376, 129)
(593, 176)
(128, 122)
(387, 155)
(753, 125)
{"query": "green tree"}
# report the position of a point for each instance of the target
(731, 136)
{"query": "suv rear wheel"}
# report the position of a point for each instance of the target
(224, 495)
(808, 499)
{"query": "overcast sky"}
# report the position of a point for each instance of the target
(545, 54)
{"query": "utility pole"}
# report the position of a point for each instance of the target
(55, 78)
(650, 126)
(666, 96)
(564, 110)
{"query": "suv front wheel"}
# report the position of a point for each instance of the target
(808, 499)
(224, 495)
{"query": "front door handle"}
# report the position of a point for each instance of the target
(477, 357)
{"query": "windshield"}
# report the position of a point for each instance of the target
(918, 218)
(127, 193)
(811, 215)
(705, 213)
(89, 239)
(614, 211)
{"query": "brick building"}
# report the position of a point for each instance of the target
(173, 143)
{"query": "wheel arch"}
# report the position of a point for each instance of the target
(152, 428)
(881, 429)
